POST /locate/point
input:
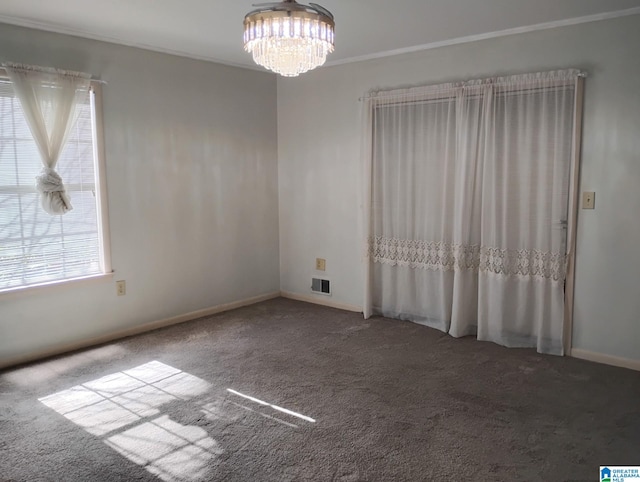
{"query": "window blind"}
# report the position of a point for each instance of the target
(35, 247)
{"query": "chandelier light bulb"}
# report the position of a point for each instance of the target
(289, 38)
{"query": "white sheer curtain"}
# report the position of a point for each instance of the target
(466, 206)
(48, 98)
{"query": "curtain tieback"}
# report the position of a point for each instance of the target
(53, 196)
(49, 181)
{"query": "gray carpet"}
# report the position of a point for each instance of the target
(284, 390)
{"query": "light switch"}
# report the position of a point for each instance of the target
(321, 264)
(588, 200)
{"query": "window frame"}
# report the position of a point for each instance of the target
(102, 206)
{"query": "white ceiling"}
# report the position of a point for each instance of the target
(212, 29)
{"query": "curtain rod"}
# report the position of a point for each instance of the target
(452, 85)
(50, 70)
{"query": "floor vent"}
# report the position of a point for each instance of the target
(321, 286)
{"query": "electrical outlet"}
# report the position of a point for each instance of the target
(588, 200)
(121, 287)
(321, 264)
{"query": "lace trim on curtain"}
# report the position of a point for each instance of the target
(423, 254)
(523, 262)
(439, 256)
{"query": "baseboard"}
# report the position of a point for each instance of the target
(318, 300)
(606, 359)
(136, 330)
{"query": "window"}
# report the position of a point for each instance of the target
(35, 247)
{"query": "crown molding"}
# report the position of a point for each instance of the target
(489, 35)
(74, 32)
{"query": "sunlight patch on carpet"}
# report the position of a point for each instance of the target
(125, 410)
(275, 407)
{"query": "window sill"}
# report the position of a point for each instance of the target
(54, 285)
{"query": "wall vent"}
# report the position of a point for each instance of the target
(322, 286)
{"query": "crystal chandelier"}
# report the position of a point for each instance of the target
(289, 38)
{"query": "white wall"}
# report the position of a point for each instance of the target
(319, 169)
(191, 153)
